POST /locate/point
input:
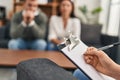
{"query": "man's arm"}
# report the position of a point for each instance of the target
(40, 26)
(17, 27)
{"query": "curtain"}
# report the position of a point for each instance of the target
(114, 18)
(110, 18)
(104, 15)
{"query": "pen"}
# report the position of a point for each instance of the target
(109, 46)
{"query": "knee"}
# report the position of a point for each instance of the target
(39, 45)
(16, 44)
(80, 75)
(51, 46)
(13, 44)
(77, 72)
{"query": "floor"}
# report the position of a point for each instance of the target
(8, 74)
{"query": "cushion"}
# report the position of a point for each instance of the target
(91, 34)
(2, 32)
(41, 69)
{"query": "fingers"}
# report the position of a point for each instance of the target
(88, 59)
(93, 51)
(90, 55)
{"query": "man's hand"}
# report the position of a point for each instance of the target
(28, 16)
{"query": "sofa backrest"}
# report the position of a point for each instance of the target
(2, 32)
(91, 34)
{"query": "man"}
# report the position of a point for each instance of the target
(28, 28)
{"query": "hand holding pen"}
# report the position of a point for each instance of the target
(102, 62)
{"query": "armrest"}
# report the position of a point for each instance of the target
(4, 43)
(41, 69)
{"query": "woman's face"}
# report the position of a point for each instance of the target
(65, 8)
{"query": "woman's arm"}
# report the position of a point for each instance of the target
(115, 72)
(102, 63)
(77, 27)
(52, 32)
(56, 41)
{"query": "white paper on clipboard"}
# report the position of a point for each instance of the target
(76, 56)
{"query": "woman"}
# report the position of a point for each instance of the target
(62, 23)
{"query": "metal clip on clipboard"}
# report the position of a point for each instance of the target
(71, 41)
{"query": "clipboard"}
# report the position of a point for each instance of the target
(73, 48)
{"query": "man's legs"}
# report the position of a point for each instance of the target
(80, 75)
(17, 44)
(38, 44)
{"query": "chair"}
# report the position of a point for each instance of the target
(41, 69)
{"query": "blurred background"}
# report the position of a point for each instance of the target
(104, 13)
(100, 21)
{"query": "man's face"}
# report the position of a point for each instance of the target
(31, 5)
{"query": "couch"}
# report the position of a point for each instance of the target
(4, 35)
(90, 35)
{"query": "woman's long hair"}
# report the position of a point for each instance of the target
(72, 15)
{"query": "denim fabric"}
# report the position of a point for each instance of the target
(52, 47)
(20, 44)
(80, 75)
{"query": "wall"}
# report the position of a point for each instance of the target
(8, 4)
(91, 4)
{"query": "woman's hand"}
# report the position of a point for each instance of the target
(101, 62)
